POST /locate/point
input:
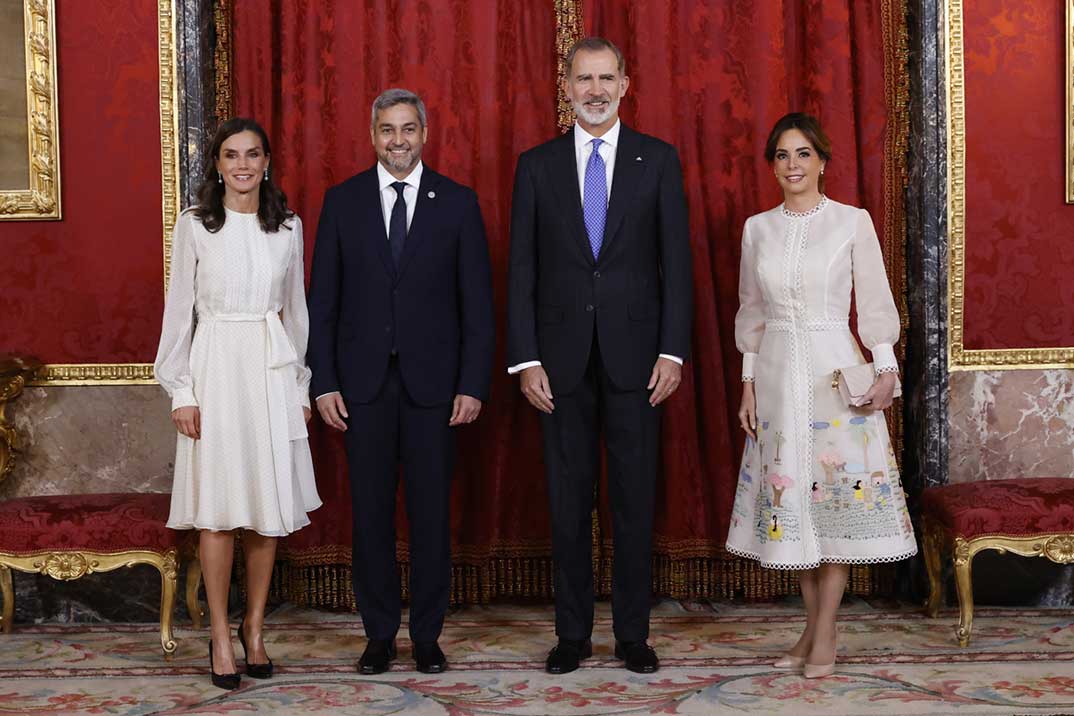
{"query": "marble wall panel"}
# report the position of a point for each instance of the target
(1011, 424)
(92, 439)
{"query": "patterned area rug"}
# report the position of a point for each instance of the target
(892, 661)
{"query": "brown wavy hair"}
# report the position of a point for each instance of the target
(272, 211)
(808, 125)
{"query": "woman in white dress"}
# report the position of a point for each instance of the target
(819, 488)
(232, 358)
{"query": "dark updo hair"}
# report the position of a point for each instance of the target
(272, 209)
(808, 125)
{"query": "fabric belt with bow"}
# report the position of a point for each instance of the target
(286, 421)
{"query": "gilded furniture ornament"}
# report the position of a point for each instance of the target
(15, 372)
(69, 536)
(1060, 549)
(938, 541)
(73, 564)
(960, 357)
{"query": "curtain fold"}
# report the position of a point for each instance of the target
(708, 76)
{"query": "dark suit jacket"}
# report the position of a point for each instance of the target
(436, 311)
(638, 295)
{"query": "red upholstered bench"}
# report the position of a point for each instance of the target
(68, 536)
(1032, 517)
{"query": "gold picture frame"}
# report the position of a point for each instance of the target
(142, 373)
(39, 198)
(1069, 54)
(959, 357)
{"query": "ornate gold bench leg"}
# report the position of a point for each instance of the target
(964, 585)
(933, 539)
(7, 593)
(169, 577)
(193, 582)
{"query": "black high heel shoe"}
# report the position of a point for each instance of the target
(222, 681)
(256, 671)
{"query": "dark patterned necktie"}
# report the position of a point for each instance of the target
(397, 224)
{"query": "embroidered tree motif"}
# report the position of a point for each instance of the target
(779, 443)
(830, 461)
(779, 483)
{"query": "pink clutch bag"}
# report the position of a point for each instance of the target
(853, 382)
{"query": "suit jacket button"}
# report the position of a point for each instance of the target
(596, 274)
(589, 307)
(387, 329)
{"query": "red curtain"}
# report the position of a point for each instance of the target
(708, 76)
(712, 78)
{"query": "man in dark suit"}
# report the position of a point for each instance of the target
(600, 300)
(401, 345)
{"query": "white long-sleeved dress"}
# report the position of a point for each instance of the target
(820, 482)
(233, 343)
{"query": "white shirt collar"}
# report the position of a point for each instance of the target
(611, 137)
(386, 179)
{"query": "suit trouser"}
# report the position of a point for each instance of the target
(571, 436)
(390, 430)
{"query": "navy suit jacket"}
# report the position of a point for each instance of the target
(435, 311)
(637, 295)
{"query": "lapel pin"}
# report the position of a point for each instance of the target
(432, 195)
(638, 159)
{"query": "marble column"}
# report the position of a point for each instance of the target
(926, 395)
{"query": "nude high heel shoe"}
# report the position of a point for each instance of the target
(818, 671)
(789, 662)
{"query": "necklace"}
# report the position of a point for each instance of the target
(803, 214)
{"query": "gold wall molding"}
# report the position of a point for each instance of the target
(1069, 55)
(569, 30)
(959, 357)
(222, 56)
(142, 373)
(41, 199)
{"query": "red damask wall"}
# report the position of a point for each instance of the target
(89, 288)
(1018, 227)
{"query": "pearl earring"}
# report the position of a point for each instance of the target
(219, 178)
(266, 174)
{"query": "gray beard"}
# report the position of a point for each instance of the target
(401, 165)
(593, 117)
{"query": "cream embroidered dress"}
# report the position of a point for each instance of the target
(820, 482)
(233, 343)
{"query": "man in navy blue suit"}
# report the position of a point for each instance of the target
(401, 349)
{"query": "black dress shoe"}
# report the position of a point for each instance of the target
(255, 671)
(565, 655)
(377, 657)
(639, 656)
(429, 658)
(222, 681)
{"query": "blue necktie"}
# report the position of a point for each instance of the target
(397, 224)
(595, 198)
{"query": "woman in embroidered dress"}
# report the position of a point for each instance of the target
(800, 262)
(232, 357)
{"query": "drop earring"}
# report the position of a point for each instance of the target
(219, 178)
(266, 175)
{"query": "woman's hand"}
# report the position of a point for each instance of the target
(747, 411)
(188, 421)
(307, 414)
(881, 393)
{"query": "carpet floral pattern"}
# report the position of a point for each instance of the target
(892, 661)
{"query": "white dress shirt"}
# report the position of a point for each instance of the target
(388, 197)
(583, 148)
